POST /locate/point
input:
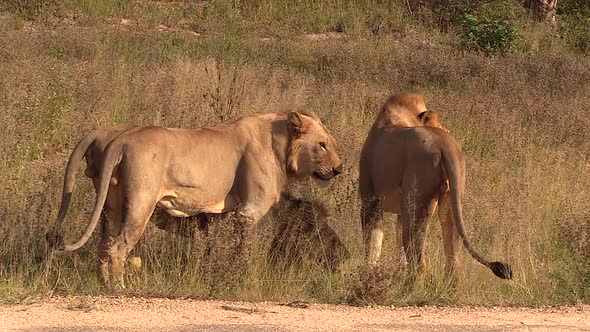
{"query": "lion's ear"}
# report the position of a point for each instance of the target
(427, 116)
(296, 123)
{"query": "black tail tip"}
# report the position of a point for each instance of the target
(501, 270)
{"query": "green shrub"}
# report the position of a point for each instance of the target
(27, 9)
(492, 37)
(574, 24)
(446, 15)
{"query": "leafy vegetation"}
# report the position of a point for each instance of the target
(575, 24)
(493, 37)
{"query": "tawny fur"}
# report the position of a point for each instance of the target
(407, 167)
(241, 165)
(92, 148)
(406, 110)
(302, 234)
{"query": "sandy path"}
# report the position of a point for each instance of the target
(150, 314)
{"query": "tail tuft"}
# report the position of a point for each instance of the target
(501, 270)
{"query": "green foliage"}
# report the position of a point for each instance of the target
(569, 7)
(443, 14)
(449, 14)
(26, 8)
(574, 24)
(492, 37)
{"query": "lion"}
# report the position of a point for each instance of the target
(402, 111)
(302, 234)
(92, 148)
(241, 165)
(406, 168)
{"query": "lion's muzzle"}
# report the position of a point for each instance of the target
(329, 175)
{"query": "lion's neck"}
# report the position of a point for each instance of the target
(280, 145)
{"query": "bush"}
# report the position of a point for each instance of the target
(447, 15)
(574, 24)
(493, 37)
(27, 9)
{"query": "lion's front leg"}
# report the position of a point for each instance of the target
(245, 221)
(227, 254)
(256, 190)
(244, 225)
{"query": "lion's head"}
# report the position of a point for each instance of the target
(312, 150)
(430, 119)
(407, 110)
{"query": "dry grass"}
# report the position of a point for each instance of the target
(522, 121)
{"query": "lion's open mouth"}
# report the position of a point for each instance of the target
(321, 176)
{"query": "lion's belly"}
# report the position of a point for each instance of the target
(391, 201)
(184, 203)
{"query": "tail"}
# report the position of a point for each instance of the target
(54, 238)
(112, 158)
(455, 165)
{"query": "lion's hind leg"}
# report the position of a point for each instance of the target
(399, 230)
(451, 238)
(111, 226)
(137, 208)
(134, 225)
(416, 213)
(372, 224)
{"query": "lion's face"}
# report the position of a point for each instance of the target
(312, 151)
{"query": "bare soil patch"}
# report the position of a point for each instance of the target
(155, 314)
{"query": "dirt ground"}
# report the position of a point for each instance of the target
(154, 314)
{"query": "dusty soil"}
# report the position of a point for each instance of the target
(151, 314)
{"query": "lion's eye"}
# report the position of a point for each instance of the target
(323, 146)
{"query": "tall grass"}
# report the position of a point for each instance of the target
(522, 121)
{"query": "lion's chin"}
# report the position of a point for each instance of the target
(321, 182)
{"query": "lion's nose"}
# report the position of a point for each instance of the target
(337, 170)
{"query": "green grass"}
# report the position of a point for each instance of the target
(521, 119)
